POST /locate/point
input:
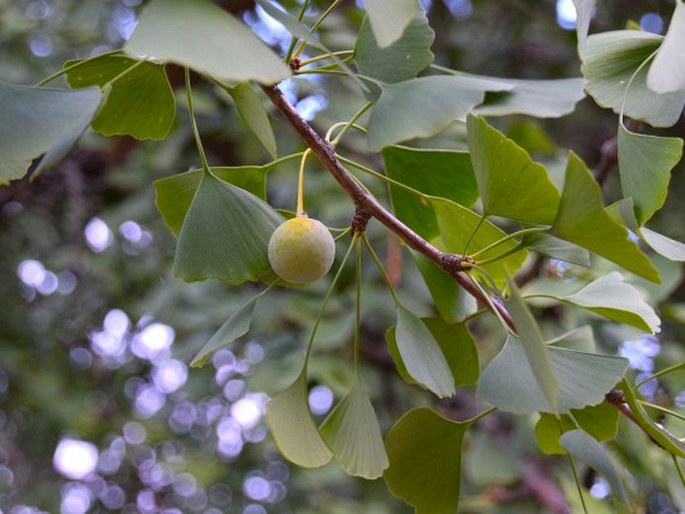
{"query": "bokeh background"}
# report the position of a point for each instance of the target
(98, 409)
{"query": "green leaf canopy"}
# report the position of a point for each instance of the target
(225, 234)
(48, 115)
(582, 220)
(510, 183)
(425, 461)
(139, 103)
(206, 38)
(611, 59)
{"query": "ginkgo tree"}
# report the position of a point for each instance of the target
(472, 219)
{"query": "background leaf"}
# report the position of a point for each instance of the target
(509, 182)
(390, 20)
(667, 71)
(425, 461)
(582, 220)
(669, 248)
(140, 103)
(611, 59)
(556, 248)
(48, 115)
(352, 431)
(225, 234)
(645, 163)
(293, 428)
(206, 38)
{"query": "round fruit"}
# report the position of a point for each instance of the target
(301, 250)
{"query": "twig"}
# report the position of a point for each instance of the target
(325, 152)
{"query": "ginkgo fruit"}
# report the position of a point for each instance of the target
(301, 250)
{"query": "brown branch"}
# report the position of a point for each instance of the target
(325, 152)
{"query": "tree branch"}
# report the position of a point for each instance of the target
(325, 152)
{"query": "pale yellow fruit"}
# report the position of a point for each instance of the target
(301, 250)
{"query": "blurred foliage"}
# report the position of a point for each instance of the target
(90, 309)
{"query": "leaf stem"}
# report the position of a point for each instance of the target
(506, 238)
(681, 475)
(662, 409)
(300, 184)
(125, 72)
(380, 267)
(481, 220)
(196, 132)
(61, 72)
(670, 369)
(380, 176)
(579, 487)
(325, 302)
(357, 306)
(501, 256)
(322, 57)
(294, 40)
(316, 25)
(351, 122)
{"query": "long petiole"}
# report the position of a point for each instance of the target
(661, 373)
(501, 256)
(506, 238)
(481, 220)
(125, 72)
(327, 298)
(380, 176)
(380, 267)
(357, 310)
(577, 481)
(316, 25)
(196, 132)
(662, 409)
(294, 40)
(336, 126)
(300, 183)
(322, 57)
(491, 305)
(354, 118)
(61, 72)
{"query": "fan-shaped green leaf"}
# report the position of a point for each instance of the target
(667, 72)
(403, 59)
(140, 103)
(425, 461)
(236, 326)
(252, 112)
(389, 20)
(206, 38)
(539, 98)
(352, 431)
(588, 450)
(556, 248)
(611, 297)
(580, 339)
(510, 183)
(225, 234)
(611, 59)
(443, 173)
(600, 421)
(424, 106)
(536, 350)
(584, 378)
(32, 120)
(457, 222)
(456, 344)
(669, 248)
(582, 220)
(175, 194)
(421, 354)
(293, 428)
(645, 164)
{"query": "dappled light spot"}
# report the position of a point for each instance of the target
(652, 22)
(320, 399)
(75, 459)
(98, 235)
(134, 433)
(169, 376)
(76, 499)
(566, 14)
(247, 412)
(153, 342)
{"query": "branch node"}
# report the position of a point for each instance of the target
(360, 220)
(615, 397)
(451, 263)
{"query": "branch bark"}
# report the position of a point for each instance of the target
(325, 152)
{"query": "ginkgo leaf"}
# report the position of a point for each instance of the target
(611, 297)
(205, 37)
(583, 220)
(645, 163)
(293, 427)
(352, 431)
(667, 71)
(425, 461)
(421, 354)
(389, 20)
(669, 248)
(510, 183)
